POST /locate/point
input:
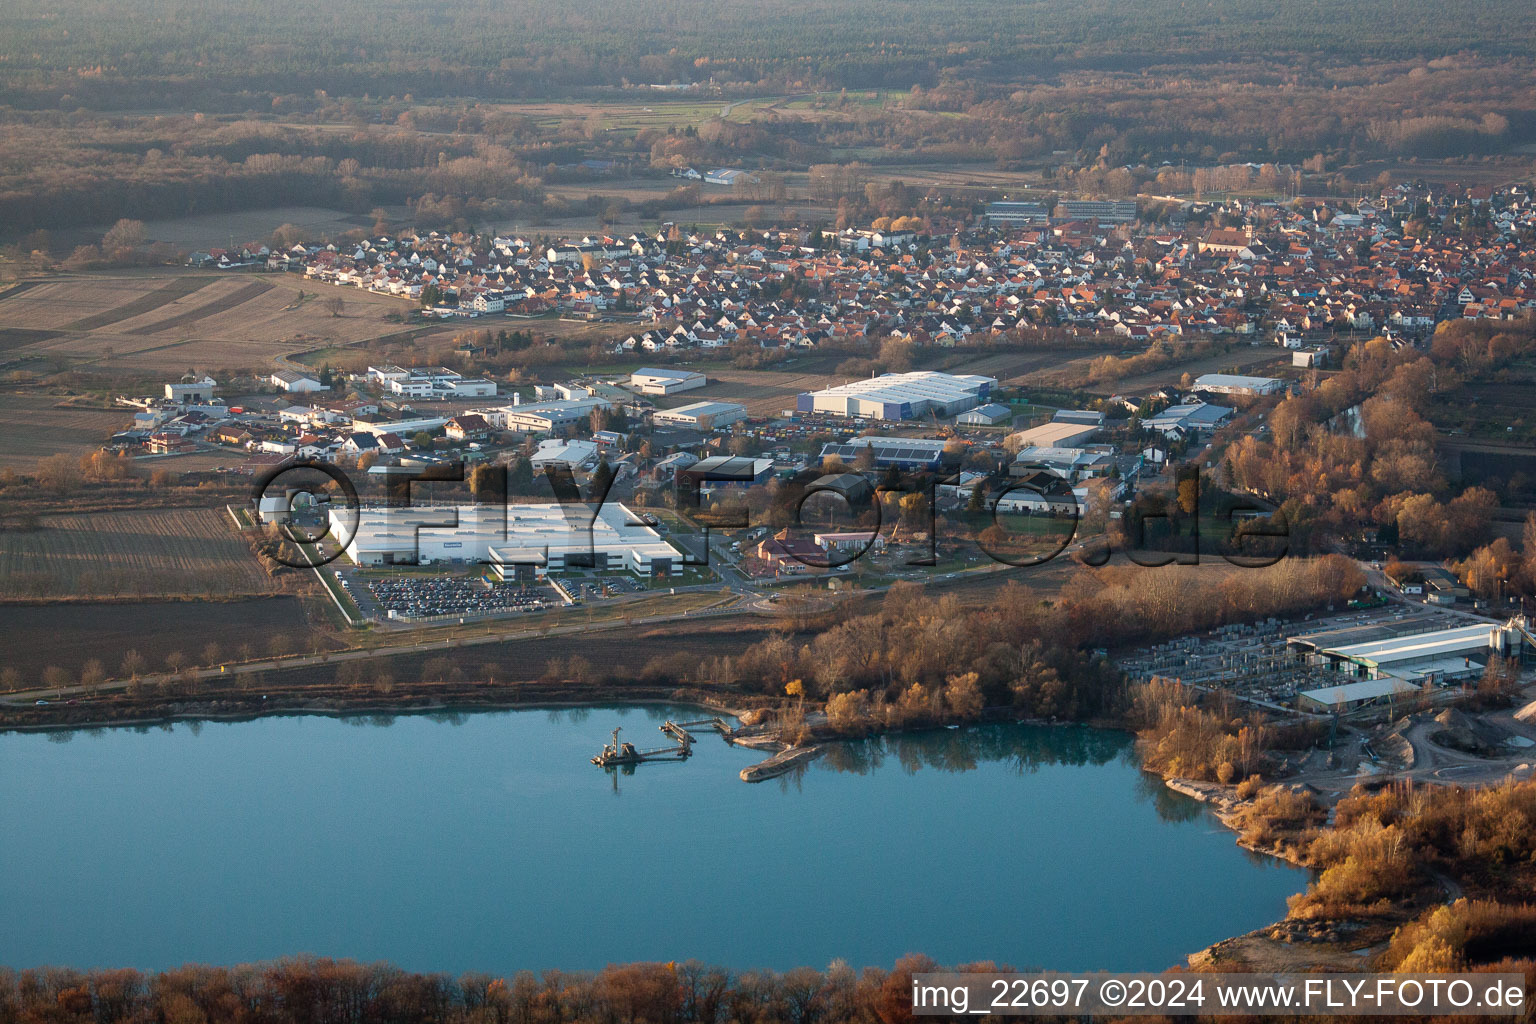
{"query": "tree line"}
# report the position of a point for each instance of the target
(1357, 453)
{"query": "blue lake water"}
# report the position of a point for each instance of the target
(488, 842)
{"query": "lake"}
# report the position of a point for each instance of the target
(487, 841)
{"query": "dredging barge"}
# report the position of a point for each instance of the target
(617, 753)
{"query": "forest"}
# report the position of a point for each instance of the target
(171, 53)
(1357, 452)
(161, 108)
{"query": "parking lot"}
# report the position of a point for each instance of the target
(581, 589)
(414, 596)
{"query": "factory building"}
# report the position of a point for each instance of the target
(726, 470)
(701, 415)
(1188, 419)
(191, 389)
(517, 541)
(900, 396)
(990, 415)
(570, 454)
(1010, 214)
(1444, 655)
(1350, 696)
(1237, 384)
(543, 417)
(650, 381)
(1102, 211)
(855, 540)
(470, 387)
(1063, 434)
(1072, 464)
(908, 453)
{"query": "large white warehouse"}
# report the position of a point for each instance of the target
(1416, 657)
(650, 381)
(698, 415)
(900, 396)
(517, 541)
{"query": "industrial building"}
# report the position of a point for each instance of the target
(672, 464)
(1104, 212)
(1443, 655)
(543, 417)
(560, 392)
(900, 396)
(1039, 493)
(902, 452)
(402, 428)
(1055, 434)
(1350, 696)
(1188, 419)
(850, 541)
(726, 469)
(1441, 586)
(726, 176)
(469, 387)
(191, 389)
(1072, 464)
(1016, 214)
(570, 454)
(854, 488)
(517, 541)
(274, 508)
(990, 415)
(293, 380)
(650, 381)
(429, 382)
(1236, 384)
(701, 415)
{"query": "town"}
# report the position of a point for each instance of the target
(495, 489)
(1246, 478)
(1294, 274)
(1284, 288)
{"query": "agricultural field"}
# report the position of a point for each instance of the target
(1499, 412)
(69, 635)
(239, 227)
(763, 392)
(1013, 368)
(1250, 360)
(167, 322)
(141, 553)
(35, 426)
(207, 460)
